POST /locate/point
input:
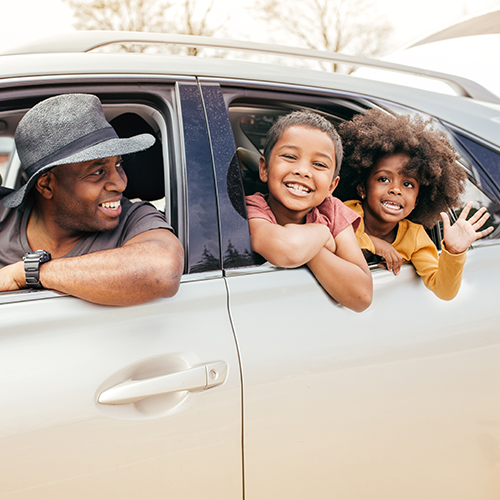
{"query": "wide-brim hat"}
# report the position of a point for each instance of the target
(68, 128)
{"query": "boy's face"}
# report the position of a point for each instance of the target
(300, 174)
(391, 194)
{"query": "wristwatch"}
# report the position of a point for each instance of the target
(32, 261)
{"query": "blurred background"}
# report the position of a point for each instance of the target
(363, 27)
(395, 30)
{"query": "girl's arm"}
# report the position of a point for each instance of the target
(344, 274)
(392, 257)
(292, 245)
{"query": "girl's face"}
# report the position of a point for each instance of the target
(390, 195)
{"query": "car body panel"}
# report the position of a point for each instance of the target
(57, 441)
(334, 400)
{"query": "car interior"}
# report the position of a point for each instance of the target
(251, 121)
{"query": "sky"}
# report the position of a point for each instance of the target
(26, 20)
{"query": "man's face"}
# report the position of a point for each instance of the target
(86, 195)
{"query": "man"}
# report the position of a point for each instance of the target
(95, 244)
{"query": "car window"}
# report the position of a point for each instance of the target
(483, 155)
(251, 121)
(155, 175)
(6, 149)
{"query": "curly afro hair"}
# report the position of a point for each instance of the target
(369, 137)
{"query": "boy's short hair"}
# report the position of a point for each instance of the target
(308, 119)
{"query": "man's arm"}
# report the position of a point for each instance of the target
(147, 267)
(344, 274)
(288, 246)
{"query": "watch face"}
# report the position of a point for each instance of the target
(44, 256)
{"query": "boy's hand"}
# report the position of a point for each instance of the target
(459, 237)
(391, 256)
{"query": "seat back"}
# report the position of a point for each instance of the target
(144, 169)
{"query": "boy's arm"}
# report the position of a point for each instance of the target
(289, 246)
(344, 275)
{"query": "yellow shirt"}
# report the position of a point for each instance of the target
(442, 274)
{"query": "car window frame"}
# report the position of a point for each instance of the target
(235, 91)
(162, 95)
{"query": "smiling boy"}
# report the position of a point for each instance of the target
(299, 222)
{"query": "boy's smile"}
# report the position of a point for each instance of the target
(300, 174)
(391, 195)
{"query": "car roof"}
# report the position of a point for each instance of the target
(470, 114)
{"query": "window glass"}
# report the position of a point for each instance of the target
(6, 149)
(486, 157)
(473, 193)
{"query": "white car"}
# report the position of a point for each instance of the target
(251, 383)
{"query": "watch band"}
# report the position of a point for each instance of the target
(32, 262)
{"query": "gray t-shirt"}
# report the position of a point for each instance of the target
(135, 218)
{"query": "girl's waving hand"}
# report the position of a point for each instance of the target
(459, 236)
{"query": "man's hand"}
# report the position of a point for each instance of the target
(391, 256)
(12, 277)
(459, 237)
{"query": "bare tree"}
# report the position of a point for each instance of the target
(349, 26)
(161, 16)
(190, 25)
(127, 15)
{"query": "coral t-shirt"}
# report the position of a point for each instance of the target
(332, 213)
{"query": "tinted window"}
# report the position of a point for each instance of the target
(488, 159)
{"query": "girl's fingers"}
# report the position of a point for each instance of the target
(477, 215)
(446, 220)
(481, 221)
(485, 232)
(466, 210)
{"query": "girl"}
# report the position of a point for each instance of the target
(400, 174)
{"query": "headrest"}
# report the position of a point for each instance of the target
(144, 170)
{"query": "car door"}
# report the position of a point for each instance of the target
(129, 402)
(400, 401)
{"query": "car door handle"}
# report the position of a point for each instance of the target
(198, 378)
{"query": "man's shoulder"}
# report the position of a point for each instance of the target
(139, 210)
(4, 192)
(140, 216)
